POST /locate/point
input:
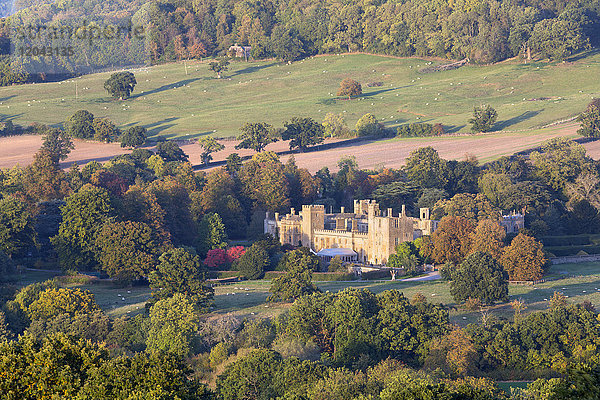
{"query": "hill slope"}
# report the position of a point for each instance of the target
(175, 104)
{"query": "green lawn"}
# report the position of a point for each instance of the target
(579, 282)
(171, 103)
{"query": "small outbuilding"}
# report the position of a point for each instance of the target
(346, 255)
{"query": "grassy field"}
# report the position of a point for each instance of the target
(172, 103)
(579, 282)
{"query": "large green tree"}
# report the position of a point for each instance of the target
(58, 143)
(82, 216)
(256, 136)
(173, 325)
(425, 167)
(127, 250)
(481, 277)
(17, 230)
(297, 280)
(80, 125)
(559, 162)
(253, 263)
(120, 85)
(303, 133)
(484, 118)
(133, 137)
(209, 145)
(180, 271)
(590, 120)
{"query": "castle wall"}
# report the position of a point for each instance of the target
(371, 234)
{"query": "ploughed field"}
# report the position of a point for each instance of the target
(370, 154)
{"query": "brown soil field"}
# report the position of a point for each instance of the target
(19, 150)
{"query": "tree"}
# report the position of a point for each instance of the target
(425, 167)
(590, 120)
(127, 250)
(173, 325)
(234, 164)
(475, 207)
(560, 162)
(407, 257)
(480, 277)
(53, 302)
(297, 280)
(488, 237)
(349, 87)
(367, 125)
(216, 259)
(252, 264)
(170, 151)
(104, 130)
(179, 272)
(524, 259)
(483, 119)
(7, 266)
(251, 377)
(58, 144)
(212, 233)
(454, 353)
(256, 136)
(209, 145)
(303, 133)
(44, 179)
(286, 44)
(120, 85)
(335, 125)
(17, 227)
(264, 181)
(82, 216)
(219, 67)
(80, 125)
(133, 137)
(451, 241)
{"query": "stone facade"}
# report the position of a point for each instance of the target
(368, 231)
(512, 222)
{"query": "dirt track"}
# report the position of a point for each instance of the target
(389, 153)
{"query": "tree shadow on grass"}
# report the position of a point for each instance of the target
(157, 127)
(250, 69)
(380, 91)
(166, 87)
(515, 120)
(7, 117)
(453, 128)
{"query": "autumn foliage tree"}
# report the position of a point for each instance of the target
(524, 259)
(488, 237)
(349, 87)
(451, 241)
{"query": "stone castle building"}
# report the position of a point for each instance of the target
(366, 235)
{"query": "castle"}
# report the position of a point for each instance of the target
(366, 235)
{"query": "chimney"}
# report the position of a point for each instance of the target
(343, 209)
(390, 213)
(276, 216)
(267, 215)
(403, 210)
(293, 211)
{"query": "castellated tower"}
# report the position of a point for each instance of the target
(313, 217)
